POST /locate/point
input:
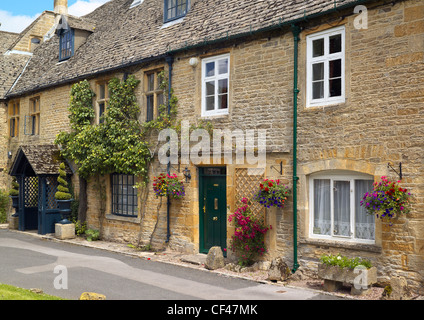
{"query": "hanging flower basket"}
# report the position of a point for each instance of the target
(272, 193)
(168, 185)
(387, 200)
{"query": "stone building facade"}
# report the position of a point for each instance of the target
(359, 109)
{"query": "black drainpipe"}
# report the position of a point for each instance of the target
(169, 60)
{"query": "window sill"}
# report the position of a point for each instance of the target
(172, 22)
(215, 116)
(123, 219)
(342, 244)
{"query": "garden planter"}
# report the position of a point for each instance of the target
(361, 279)
(64, 207)
(15, 204)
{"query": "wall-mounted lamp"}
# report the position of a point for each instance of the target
(9, 154)
(193, 62)
(187, 174)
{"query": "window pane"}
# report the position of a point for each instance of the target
(124, 195)
(210, 88)
(364, 222)
(151, 82)
(210, 69)
(150, 105)
(223, 66)
(318, 90)
(336, 43)
(318, 71)
(160, 99)
(322, 208)
(223, 86)
(101, 112)
(341, 194)
(210, 103)
(318, 48)
(335, 68)
(223, 101)
(101, 91)
(335, 87)
(12, 127)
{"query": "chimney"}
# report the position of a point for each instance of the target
(61, 6)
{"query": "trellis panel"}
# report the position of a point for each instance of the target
(246, 186)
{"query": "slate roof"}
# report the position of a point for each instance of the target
(125, 36)
(44, 159)
(10, 65)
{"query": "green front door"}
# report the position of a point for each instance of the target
(213, 208)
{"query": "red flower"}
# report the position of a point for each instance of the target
(270, 184)
(266, 189)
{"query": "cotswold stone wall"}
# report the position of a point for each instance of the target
(381, 122)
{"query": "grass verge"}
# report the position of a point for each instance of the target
(8, 292)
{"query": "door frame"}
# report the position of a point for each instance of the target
(202, 176)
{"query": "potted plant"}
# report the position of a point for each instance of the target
(63, 197)
(168, 185)
(336, 270)
(272, 193)
(14, 193)
(387, 200)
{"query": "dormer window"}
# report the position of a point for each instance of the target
(175, 9)
(66, 49)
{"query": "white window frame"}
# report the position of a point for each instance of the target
(215, 78)
(337, 176)
(327, 100)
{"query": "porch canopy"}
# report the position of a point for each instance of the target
(36, 168)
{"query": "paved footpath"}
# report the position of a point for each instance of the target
(64, 269)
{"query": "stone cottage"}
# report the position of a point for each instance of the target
(337, 88)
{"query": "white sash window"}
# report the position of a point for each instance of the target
(326, 67)
(335, 208)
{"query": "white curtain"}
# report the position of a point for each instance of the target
(364, 222)
(341, 208)
(322, 208)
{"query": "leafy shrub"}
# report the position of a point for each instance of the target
(4, 203)
(14, 192)
(80, 227)
(92, 234)
(248, 240)
(63, 191)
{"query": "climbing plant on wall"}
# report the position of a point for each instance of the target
(115, 145)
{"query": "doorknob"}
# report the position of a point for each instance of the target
(215, 218)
